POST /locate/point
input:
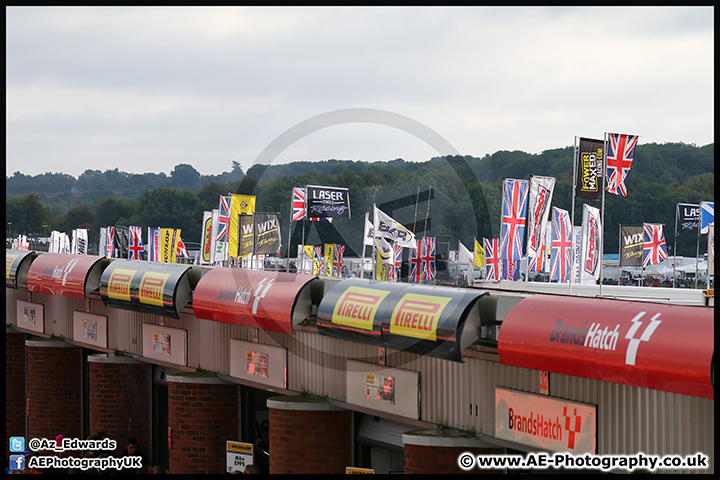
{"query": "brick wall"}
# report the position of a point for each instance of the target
(120, 401)
(442, 460)
(313, 442)
(54, 389)
(202, 417)
(15, 398)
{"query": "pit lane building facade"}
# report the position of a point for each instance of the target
(386, 376)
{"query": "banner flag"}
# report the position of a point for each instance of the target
(121, 241)
(689, 217)
(539, 200)
(102, 243)
(514, 212)
(368, 234)
(246, 236)
(298, 207)
(591, 245)
(136, 247)
(327, 201)
(154, 244)
(180, 250)
(168, 246)
(80, 241)
(383, 250)
(427, 251)
(338, 252)
(214, 214)
(493, 262)
(479, 260)
(631, 245)
(318, 257)
(328, 259)
(396, 264)
(562, 246)
(511, 270)
(711, 249)
(590, 169)
(707, 215)
(384, 226)
(654, 247)
(465, 256)
(620, 154)
(206, 239)
(266, 233)
(239, 204)
(222, 231)
(110, 242)
(577, 251)
(415, 265)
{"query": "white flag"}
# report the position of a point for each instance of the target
(386, 227)
(464, 255)
(102, 245)
(80, 241)
(591, 243)
(369, 229)
(540, 197)
(384, 250)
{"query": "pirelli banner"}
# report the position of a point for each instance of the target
(437, 321)
(17, 264)
(269, 300)
(150, 287)
(66, 275)
(642, 344)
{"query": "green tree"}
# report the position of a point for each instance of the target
(27, 214)
(184, 176)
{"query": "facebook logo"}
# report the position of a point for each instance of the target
(17, 444)
(17, 462)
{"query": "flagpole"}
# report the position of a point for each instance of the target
(417, 199)
(675, 244)
(287, 267)
(572, 210)
(362, 265)
(619, 251)
(527, 235)
(697, 250)
(373, 274)
(428, 211)
(602, 215)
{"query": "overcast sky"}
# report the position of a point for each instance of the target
(145, 89)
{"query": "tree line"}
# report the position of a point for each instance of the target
(465, 191)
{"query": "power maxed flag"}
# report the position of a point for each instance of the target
(590, 169)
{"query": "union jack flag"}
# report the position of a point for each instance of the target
(110, 239)
(394, 272)
(514, 211)
(427, 252)
(223, 227)
(492, 258)
(415, 265)
(338, 251)
(562, 246)
(620, 154)
(654, 248)
(181, 251)
(137, 249)
(299, 207)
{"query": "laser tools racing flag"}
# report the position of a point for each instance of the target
(298, 206)
(620, 154)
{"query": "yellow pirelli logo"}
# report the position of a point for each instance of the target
(357, 307)
(119, 284)
(418, 316)
(152, 287)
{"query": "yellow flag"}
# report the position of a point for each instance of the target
(239, 204)
(310, 252)
(166, 244)
(479, 254)
(328, 259)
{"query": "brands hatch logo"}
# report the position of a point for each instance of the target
(573, 425)
(598, 336)
(244, 296)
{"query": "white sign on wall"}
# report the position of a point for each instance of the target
(238, 455)
(545, 422)
(165, 344)
(390, 390)
(258, 363)
(30, 316)
(90, 329)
